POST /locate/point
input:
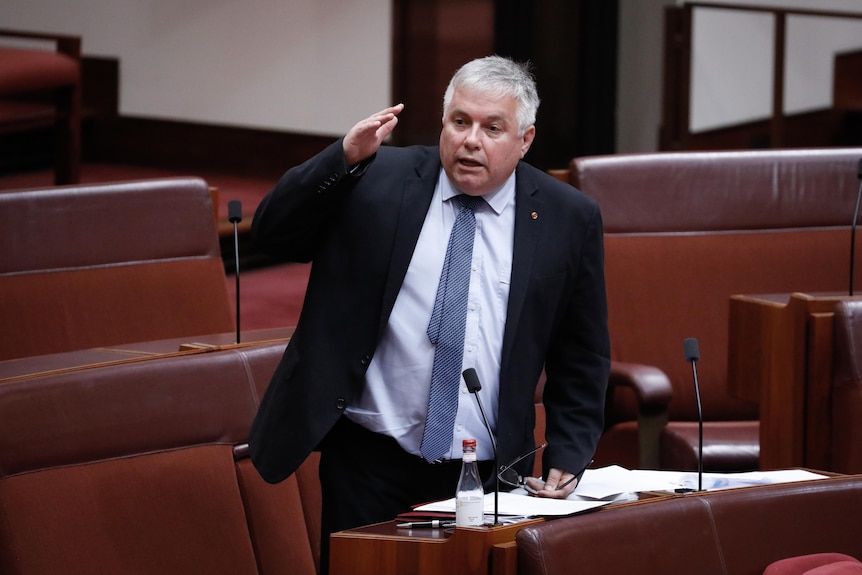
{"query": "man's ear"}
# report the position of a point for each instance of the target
(527, 140)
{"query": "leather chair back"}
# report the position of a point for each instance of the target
(96, 265)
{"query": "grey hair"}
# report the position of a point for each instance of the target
(499, 76)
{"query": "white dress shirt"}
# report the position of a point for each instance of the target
(395, 400)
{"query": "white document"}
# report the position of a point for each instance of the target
(600, 487)
(522, 505)
(614, 479)
(718, 481)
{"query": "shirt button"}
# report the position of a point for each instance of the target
(340, 404)
(366, 359)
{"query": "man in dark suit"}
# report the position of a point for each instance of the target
(375, 220)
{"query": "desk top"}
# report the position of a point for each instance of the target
(389, 529)
(785, 297)
(23, 367)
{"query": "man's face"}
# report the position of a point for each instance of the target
(479, 142)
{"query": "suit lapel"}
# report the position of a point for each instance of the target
(415, 200)
(528, 208)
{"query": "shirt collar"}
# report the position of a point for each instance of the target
(498, 199)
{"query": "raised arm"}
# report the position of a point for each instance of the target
(363, 139)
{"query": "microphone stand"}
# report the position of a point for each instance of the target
(692, 355)
(473, 386)
(234, 211)
(853, 228)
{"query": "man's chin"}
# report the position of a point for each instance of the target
(470, 185)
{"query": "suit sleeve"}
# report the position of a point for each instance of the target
(578, 360)
(295, 216)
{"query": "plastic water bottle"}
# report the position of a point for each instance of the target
(469, 495)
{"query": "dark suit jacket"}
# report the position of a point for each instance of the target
(360, 231)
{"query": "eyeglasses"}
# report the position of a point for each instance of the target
(510, 476)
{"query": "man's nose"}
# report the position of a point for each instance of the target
(473, 138)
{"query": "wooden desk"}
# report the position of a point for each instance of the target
(780, 356)
(383, 549)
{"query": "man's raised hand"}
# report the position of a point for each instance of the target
(363, 139)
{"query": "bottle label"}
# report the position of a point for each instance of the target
(469, 511)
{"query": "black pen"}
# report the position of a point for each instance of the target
(572, 478)
(435, 524)
(565, 483)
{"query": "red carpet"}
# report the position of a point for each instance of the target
(269, 297)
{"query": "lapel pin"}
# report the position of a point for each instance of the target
(535, 215)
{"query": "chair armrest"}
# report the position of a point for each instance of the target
(653, 391)
(650, 384)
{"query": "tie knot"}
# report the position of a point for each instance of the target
(472, 202)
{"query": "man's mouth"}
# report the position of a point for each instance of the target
(467, 162)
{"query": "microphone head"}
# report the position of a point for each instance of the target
(234, 211)
(692, 353)
(471, 378)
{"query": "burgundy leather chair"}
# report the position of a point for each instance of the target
(42, 88)
(846, 444)
(106, 264)
(816, 564)
(140, 465)
(733, 531)
(683, 232)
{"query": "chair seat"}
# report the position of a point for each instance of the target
(728, 446)
(24, 71)
(821, 563)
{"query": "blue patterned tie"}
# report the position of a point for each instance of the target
(446, 332)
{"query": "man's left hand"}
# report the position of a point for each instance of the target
(559, 484)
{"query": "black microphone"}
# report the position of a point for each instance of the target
(471, 378)
(234, 216)
(692, 356)
(853, 228)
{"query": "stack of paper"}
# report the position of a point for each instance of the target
(600, 487)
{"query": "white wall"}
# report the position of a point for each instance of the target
(316, 66)
(639, 77)
(732, 64)
(312, 66)
(732, 58)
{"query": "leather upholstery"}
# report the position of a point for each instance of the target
(683, 232)
(34, 70)
(815, 564)
(727, 445)
(736, 531)
(138, 467)
(95, 265)
(847, 388)
(42, 88)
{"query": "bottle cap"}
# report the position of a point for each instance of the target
(469, 443)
